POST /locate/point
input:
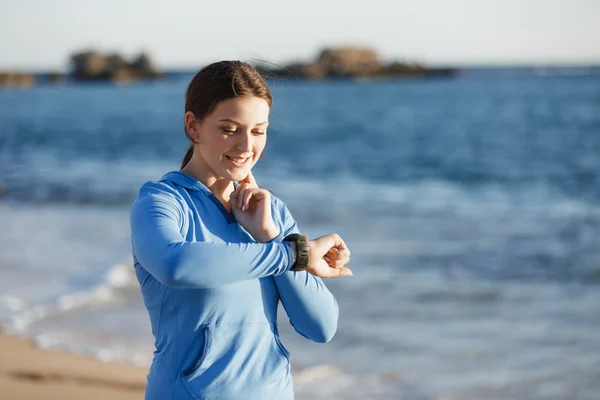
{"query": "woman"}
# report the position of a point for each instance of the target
(214, 257)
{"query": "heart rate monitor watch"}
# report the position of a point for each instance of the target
(302, 255)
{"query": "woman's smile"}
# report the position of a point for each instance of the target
(238, 161)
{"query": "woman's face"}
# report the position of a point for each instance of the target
(232, 137)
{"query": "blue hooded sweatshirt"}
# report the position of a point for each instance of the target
(212, 293)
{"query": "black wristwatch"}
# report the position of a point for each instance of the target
(302, 251)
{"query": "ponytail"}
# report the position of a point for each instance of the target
(188, 156)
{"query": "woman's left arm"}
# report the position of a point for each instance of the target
(312, 309)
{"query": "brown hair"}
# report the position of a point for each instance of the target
(221, 81)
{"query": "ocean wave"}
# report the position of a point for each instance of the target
(330, 381)
(22, 315)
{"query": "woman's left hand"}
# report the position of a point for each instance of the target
(251, 207)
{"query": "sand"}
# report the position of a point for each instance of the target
(27, 372)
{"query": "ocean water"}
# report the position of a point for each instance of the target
(471, 207)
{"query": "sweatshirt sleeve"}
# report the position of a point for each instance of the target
(312, 309)
(161, 249)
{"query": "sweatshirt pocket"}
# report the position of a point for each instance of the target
(237, 360)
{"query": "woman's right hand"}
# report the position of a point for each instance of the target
(328, 257)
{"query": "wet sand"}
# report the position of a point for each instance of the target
(27, 372)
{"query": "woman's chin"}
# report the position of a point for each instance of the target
(238, 174)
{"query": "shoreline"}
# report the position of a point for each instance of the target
(29, 372)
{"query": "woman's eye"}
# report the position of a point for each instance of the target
(260, 132)
(228, 131)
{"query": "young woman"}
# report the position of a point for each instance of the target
(214, 255)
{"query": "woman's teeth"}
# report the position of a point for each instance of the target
(238, 161)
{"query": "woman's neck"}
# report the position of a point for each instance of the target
(220, 186)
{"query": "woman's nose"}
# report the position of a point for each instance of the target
(245, 142)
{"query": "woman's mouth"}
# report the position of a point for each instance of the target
(238, 161)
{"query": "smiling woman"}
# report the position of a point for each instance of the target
(230, 139)
(215, 254)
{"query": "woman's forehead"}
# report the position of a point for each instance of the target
(242, 111)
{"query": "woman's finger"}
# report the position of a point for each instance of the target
(337, 242)
(234, 196)
(245, 201)
(250, 180)
(338, 254)
(333, 263)
(341, 263)
(332, 254)
(343, 253)
(242, 192)
(338, 272)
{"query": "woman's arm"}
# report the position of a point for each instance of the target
(162, 251)
(312, 309)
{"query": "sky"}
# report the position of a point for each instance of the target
(41, 34)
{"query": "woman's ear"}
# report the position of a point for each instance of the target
(191, 126)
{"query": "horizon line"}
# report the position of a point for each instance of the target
(457, 65)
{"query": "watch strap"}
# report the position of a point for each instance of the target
(302, 251)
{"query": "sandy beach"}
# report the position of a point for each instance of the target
(27, 372)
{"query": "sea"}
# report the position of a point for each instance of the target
(471, 206)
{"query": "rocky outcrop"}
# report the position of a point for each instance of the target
(345, 62)
(94, 66)
(56, 77)
(402, 69)
(351, 62)
(16, 79)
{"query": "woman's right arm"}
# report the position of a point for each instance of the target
(175, 262)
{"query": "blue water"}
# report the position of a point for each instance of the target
(471, 206)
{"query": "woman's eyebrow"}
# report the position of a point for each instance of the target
(239, 123)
